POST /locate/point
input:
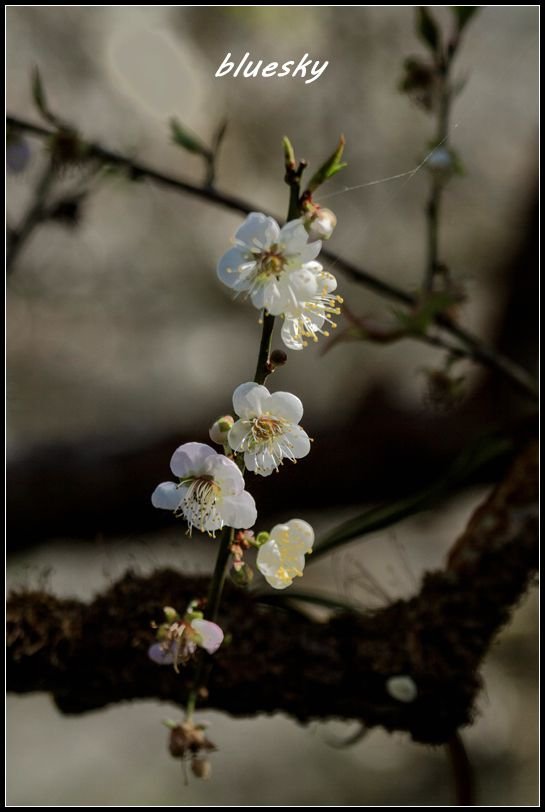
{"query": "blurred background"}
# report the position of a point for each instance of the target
(121, 344)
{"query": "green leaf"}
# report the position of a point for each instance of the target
(329, 168)
(463, 15)
(183, 138)
(327, 601)
(38, 93)
(378, 518)
(428, 30)
(219, 136)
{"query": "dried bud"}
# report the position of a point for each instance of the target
(220, 429)
(187, 738)
(67, 149)
(277, 358)
(421, 83)
(201, 768)
(444, 391)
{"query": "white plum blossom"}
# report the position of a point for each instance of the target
(181, 638)
(310, 308)
(263, 259)
(210, 493)
(282, 557)
(268, 430)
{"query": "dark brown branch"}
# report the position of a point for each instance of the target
(472, 346)
(88, 656)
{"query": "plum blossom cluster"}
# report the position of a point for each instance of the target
(277, 269)
(179, 637)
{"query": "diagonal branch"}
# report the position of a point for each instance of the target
(88, 656)
(472, 347)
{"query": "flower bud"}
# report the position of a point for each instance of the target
(220, 429)
(261, 539)
(201, 768)
(277, 358)
(241, 574)
(443, 163)
(171, 615)
(320, 224)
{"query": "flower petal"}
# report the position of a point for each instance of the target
(293, 235)
(258, 230)
(238, 433)
(189, 459)
(304, 285)
(271, 295)
(239, 511)
(262, 463)
(291, 334)
(286, 405)
(301, 534)
(210, 633)
(226, 474)
(299, 441)
(160, 655)
(247, 399)
(167, 496)
(234, 269)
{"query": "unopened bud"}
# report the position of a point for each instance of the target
(171, 614)
(220, 429)
(321, 224)
(261, 539)
(241, 574)
(201, 768)
(443, 163)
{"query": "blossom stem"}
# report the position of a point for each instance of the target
(218, 577)
(433, 208)
(33, 217)
(263, 369)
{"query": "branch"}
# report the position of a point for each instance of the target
(88, 656)
(472, 347)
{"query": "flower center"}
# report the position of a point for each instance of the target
(265, 428)
(199, 505)
(270, 262)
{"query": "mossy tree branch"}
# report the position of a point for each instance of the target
(89, 656)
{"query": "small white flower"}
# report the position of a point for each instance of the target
(210, 493)
(268, 429)
(282, 557)
(182, 640)
(263, 258)
(402, 687)
(305, 315)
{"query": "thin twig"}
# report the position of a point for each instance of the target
(474, 348)
(461, 771)
(33, 217)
